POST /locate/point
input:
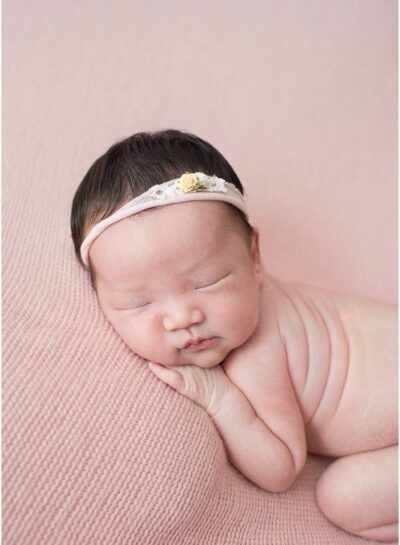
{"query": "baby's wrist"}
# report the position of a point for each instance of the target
(221, 391)
(228, 401)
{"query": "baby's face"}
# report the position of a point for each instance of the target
(178, 273)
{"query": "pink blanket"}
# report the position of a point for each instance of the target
(96, 449)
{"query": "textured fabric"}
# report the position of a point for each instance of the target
(96, 449)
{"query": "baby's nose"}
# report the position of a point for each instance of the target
(182, 317)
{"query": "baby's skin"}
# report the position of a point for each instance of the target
(294, 368)
(318, 375)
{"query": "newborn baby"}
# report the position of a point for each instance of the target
(281, 368)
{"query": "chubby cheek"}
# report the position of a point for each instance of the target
(142, 338)
(239, 316)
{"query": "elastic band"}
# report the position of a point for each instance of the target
(189, 187)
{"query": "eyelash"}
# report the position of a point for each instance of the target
(142, 306)
(212, 283)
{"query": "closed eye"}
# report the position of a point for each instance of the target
(133, 307)
(213, 283)
(142, 305)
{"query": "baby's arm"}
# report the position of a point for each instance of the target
(252, 402)
(252, 447)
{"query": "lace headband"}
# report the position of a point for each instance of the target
(189, 187)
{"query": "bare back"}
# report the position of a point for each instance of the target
(342, 361)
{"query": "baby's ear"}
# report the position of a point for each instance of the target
(255, 254)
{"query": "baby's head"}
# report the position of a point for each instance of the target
(170, 273)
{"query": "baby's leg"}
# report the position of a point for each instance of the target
(359, 493)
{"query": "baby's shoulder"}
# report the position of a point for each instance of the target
(309, 324)
(259, 367)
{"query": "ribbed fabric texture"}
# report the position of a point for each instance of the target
(96, 450)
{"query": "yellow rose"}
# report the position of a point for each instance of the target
(187, 182)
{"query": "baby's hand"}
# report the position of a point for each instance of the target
(207, 387)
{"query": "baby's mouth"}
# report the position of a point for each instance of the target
(200, 344)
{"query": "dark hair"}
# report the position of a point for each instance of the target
(133, 165)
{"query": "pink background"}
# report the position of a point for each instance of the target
(301, 98)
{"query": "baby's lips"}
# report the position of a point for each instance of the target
(202, 344)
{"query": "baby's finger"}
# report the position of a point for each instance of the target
(189, 381)
(167, 375)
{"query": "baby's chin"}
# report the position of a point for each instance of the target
(205, 365)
